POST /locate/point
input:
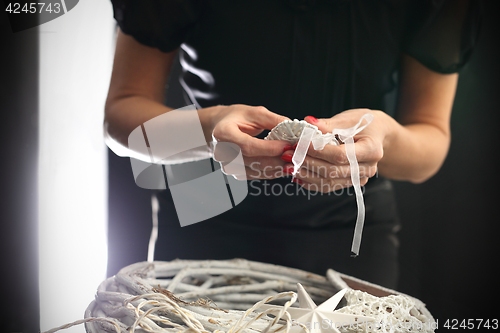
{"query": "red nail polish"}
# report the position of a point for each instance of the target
(287, 158)
(295, 146)
(288, 169)
(290, 147)
(298, 181)
(312, 119)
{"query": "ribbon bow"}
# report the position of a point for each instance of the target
(319, 142)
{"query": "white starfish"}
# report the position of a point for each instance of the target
(322, 318)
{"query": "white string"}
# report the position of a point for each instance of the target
(155, 206)
(360, 220)
(319, 142)
(347, 136)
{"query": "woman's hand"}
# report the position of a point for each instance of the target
(328, 170)
(413, 148)
(239, 124)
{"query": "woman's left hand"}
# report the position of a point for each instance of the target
(328, 170)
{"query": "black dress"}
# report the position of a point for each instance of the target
(299, 58)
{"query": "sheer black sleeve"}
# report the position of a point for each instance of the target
(442, 33)
(163, 24)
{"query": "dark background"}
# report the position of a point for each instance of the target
(449, 244)
(18, 172)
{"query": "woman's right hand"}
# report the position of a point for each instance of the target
(239, 124)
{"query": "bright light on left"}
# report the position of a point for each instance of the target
(75, 65)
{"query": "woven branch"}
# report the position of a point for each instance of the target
(184, 296)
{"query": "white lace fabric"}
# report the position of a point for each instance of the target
(394, 313)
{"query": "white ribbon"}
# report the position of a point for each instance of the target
(301, 150)
(319, 142)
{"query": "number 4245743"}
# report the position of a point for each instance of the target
(471, 324)
(33, 7)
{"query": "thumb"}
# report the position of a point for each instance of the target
(268, 119)
(324, 125)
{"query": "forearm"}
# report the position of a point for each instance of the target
(125, 114)
(414, 152)
(417, 144)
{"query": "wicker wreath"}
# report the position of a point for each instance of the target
(225, 296)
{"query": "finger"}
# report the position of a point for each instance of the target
(330, 153)
(344, 119)
(324, 125)
(265, 118)
(313, 182)
(328, 170)
(366, 149)
(250, 146)
(321, 167)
